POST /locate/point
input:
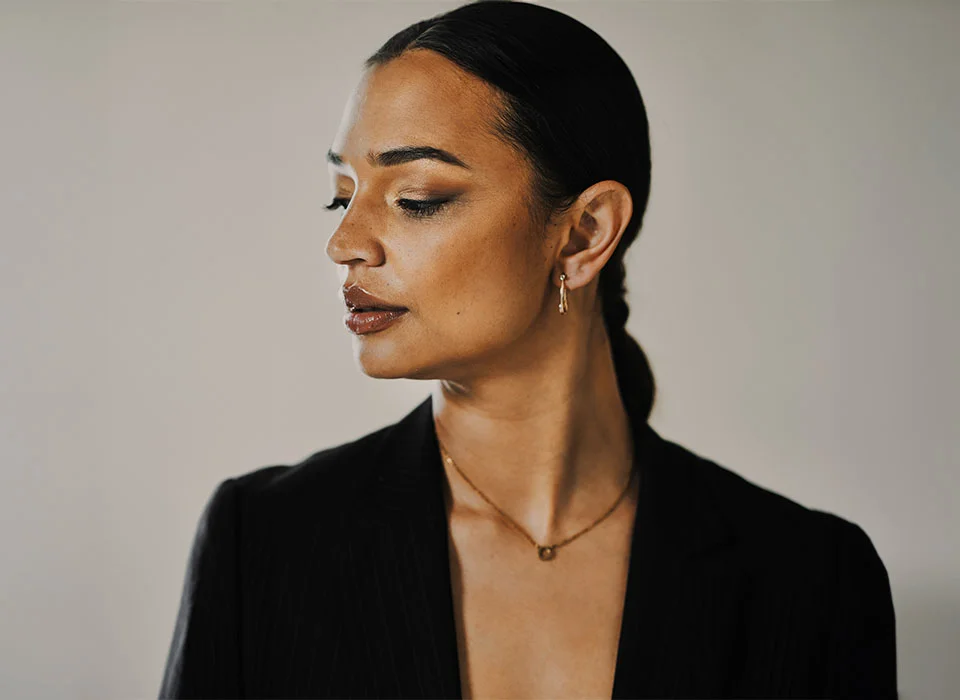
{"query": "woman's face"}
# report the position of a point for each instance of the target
(473, 274)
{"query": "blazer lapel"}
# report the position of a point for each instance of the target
(398, 602)
(684, 589)
(684, 585)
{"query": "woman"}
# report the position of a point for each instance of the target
(523, 532)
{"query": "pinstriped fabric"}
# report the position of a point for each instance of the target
(331, 579)
(782, 671)
(437, 593)
(410, 611)
(425, 606)
(204, 652)
(384, 633)
(786, 675)
(863, 617)
(307, 680)
(363, 659)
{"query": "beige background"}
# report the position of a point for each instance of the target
(169, 317)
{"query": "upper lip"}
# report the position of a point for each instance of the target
(356, 298)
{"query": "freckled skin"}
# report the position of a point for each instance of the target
(520, 384)
(519, 381)
(474, 275)
(528, 400)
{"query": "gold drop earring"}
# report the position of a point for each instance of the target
(563, 293)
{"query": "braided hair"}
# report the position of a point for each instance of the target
(571, 107)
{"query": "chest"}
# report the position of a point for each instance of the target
(533, 629)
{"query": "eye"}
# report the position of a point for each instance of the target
(337, 201)
(419, 208)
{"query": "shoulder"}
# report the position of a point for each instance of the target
(313, 491)
(328, 471)
(771, 523)
(816, 571)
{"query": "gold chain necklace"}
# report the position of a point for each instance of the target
(545, 552)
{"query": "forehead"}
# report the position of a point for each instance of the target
(421, 98)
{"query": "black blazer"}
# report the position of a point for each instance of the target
(330, 578)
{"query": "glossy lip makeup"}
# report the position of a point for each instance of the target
(366, 312)
(363, 322)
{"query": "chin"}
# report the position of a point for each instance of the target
(387, 361)
(383, 372)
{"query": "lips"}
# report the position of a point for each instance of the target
(368, 313)
(363, 322)
(358, 300)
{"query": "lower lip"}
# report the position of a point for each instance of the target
(371, 321)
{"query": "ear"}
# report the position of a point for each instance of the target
(596, 222)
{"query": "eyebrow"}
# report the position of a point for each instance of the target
(403, 154)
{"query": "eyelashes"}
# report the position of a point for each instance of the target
(336, 203)
(416, 208)
(422, 207)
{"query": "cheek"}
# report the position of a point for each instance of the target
(480, 286)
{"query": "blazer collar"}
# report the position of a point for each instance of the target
(407, 483)
(676, 603)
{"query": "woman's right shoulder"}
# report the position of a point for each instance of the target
(323, 483)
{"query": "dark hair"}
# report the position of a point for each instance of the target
(572, 108)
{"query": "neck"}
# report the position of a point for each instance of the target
(548, 441)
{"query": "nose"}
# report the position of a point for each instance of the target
(351, 242)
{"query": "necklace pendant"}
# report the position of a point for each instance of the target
(546, 553)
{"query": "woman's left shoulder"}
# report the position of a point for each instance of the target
(768, 518)
(808, 570)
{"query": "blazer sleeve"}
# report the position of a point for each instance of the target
(204, 656)
(863, 654)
